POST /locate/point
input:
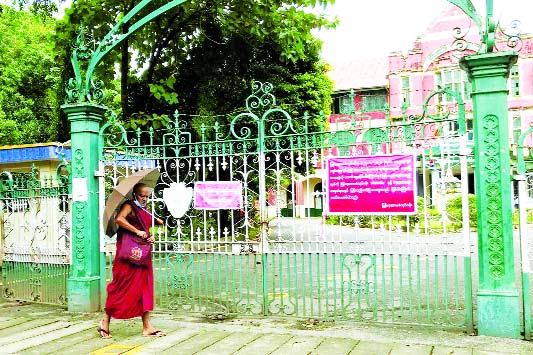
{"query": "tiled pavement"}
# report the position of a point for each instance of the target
(37, 329)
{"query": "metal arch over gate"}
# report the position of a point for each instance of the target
(268, 255)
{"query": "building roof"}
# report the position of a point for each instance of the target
(33, 152)
(54, 151)
(360, 73)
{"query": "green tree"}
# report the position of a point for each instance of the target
(29, 78)
(202, 56)
(42, 8)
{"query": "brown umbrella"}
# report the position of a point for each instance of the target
(122, 192)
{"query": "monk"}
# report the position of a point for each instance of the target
(131, 293)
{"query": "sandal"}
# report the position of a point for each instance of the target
(155, 333)
(104, 334)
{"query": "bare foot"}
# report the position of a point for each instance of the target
(153, 333)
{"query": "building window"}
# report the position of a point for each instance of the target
(370, 103)
(455, 80)
(406, 92)
(515, 81)
(469, 124)
(342, 105)
(517, 128)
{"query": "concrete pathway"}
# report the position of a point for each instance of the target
(39, 329)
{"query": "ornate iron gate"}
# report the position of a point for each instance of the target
(35, 230)
(273, 256)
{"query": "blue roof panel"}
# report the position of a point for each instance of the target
(27, 154)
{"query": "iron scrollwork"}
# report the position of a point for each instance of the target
(85, 88)
(494, 36)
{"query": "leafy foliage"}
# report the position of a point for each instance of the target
(201, 57)
(29, 78)
(41, 8)
(454, 210)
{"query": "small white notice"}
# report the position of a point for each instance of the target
(79, 190)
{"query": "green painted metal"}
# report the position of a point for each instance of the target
(491, 33)
(31, 185)
(520, 156)
(461, 121)
(467, 263)
(498, 302)
(84, 281)
(85, 89)
(84, 96)
(489, 74)
(469, 9)
(298, 285)
(523, 151)
(35, 282)
(488, 31)
(265, 261)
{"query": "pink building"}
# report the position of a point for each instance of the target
(394, 87)
(433, 63)
(361, 93)
(403, 81)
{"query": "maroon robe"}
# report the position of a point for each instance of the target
(131, 293)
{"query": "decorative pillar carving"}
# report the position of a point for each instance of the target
(497, 297)
(84, 280)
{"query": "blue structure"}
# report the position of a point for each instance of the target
(53, 151)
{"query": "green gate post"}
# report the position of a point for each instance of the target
(83, 287)
(498, 306)
(84, 95)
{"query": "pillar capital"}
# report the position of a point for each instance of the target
(84, 117)
(488, 65)
(84, 111)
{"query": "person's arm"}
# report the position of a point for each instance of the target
(121, 220)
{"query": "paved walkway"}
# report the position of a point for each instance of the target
(40, 329)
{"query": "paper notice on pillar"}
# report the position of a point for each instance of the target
(218, 195)
(79, 190)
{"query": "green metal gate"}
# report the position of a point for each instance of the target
(524, 211)
(35, 231)
(272, 256)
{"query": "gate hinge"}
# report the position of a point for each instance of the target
(519, 177)
(98, 173)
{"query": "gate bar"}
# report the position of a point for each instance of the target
(469, 314)
(526, 306)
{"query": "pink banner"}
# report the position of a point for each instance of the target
(218, 195)
(382, 185)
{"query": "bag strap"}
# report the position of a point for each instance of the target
(139, 219)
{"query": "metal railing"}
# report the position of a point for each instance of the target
(272, 256)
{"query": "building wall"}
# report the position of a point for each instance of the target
(46, 169)
(45, 157)
(351, 106)
(433, 54)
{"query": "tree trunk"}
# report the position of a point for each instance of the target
(125, 63)
(124, 71)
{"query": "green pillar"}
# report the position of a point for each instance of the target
(83, 286)
(498, 306)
